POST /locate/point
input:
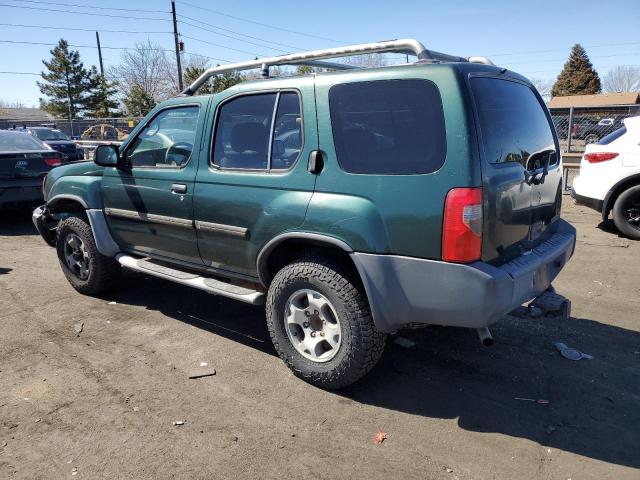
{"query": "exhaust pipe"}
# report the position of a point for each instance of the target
(485, 336)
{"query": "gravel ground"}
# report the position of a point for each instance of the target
(100, 403)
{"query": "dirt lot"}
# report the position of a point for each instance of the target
(101, 403)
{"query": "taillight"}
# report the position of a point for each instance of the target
(52, 161)
(598, 157)
(462, 225)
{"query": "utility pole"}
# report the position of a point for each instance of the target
(177, 41)
(100, 54)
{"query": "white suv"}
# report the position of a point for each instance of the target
(609, 179)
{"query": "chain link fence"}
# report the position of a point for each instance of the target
(117, 128)
(579, 126)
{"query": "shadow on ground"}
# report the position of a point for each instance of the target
(594, 405)
(16, 223)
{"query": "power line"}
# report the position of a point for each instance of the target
(90, 6)
(24, 42)
(224, 46)
(262, 24)
(562, 49)
(237, 33)
(78, 29)
(564, 59)
(85, 13)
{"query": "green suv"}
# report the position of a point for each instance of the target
(353, 203)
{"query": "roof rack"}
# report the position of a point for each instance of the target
(311, 58)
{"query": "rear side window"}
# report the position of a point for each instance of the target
(259, 132)
(391, 127)
(616, 134)
(513, 123)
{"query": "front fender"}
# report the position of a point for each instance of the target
(84, 190)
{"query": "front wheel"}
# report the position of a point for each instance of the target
(86, 269)
(320, 324)
(626, 213)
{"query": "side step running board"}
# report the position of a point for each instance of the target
(208, 284)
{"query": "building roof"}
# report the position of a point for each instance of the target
(599, 100)
(24, 114)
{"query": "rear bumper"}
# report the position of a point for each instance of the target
(11, 195)
(404, 291)
(594, 203)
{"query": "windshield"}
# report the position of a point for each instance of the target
(47, 134)
(17, 142)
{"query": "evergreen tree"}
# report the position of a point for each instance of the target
(191, 74)
(578, 77)
(100, 101)
(65, 84)
(138, 101)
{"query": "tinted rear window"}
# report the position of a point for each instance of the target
(616, 134)
(512, 122)
(388, 126)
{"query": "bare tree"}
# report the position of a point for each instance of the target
(366, 60)
(622, 78)
(544, 87)
(8, 104)
(146, 66)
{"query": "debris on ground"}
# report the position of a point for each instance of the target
(380, 437)
(449, 470)
(136, 409)
(112, 303)
(78, 327)
(204, 364)
(177, 423)
(404, 342)
(74, 471)
(571, 353)
(203, 373)
(541, 401)
(4, 444)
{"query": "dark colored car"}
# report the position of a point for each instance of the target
(58, 141)
(352, 203)
(24, 161)
(591, 130)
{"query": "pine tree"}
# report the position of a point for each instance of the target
(578, 77)
(191, 74)
(100, 101)
(217, 84)
(65, 85)
(138, 101)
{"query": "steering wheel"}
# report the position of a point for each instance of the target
(180, 149)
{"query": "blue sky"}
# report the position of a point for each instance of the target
(533, 38)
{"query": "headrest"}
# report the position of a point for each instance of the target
(249, 137)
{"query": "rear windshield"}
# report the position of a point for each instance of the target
(46, 134)
(388, 126)
(513, 124)
(18, 141)
(616, 134)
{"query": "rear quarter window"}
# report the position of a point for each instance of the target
(393, 127)
(513, 123)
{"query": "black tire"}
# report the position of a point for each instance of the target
(627, 208)
(361, 344)
(101, 272)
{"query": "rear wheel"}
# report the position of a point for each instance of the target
(591, 138)
(320, 323)
(626, 213)
(86, 269)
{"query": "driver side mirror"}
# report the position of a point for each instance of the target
(107, 156)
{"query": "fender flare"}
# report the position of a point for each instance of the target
(314, 238)
(66, 196)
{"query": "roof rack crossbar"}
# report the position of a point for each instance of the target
(405, 46)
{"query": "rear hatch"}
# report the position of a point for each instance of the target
(521, 168)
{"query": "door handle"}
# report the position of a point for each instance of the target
(178, 188)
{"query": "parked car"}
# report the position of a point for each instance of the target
(59, 141)
(591, 130)
(609, 179)
(413, 198)
(24, 161)
(103, 132)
